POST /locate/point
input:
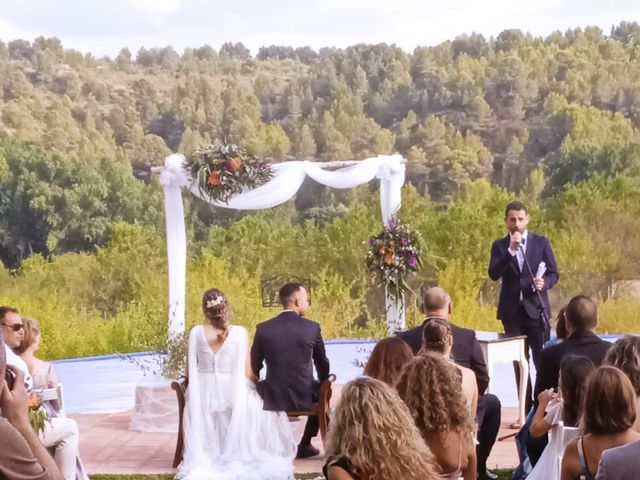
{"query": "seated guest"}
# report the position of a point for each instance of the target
(373, 437)
(13, 330)
(582, 318)
(620, 463)
(59, 432)
(387, 360)
(436, 303)
(560, 326)
(625, 354)
(437, 338)
(22, 456)
(431, 388)
(566, 408)
(608, 415)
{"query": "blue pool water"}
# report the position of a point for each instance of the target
(107, 384)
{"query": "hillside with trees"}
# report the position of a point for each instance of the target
(554, 120)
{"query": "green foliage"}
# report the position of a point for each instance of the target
(554, 120)
(50, 203)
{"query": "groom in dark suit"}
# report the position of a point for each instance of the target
(519, 306)
(290, 345)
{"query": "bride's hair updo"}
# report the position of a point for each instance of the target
(216, 310)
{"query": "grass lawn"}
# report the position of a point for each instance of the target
(502, 475)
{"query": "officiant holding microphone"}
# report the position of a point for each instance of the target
(525, 263)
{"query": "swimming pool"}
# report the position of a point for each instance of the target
(107, 384)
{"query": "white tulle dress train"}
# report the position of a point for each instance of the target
(227, 434)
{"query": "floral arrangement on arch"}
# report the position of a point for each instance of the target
(225, 170)
(394, 254)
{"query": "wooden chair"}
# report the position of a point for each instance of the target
(180, 386)
(321, 410)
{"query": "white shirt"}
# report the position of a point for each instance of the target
(519, 254)
(16, 361)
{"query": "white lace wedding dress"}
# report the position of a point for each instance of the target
(227, 434)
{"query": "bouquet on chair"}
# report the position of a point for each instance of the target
(37, 413)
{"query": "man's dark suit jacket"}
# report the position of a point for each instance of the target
(466, 350)
(505, 266)
(288, 344)
(578, 343)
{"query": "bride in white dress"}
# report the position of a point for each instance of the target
(227, 434)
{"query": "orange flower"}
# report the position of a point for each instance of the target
(235, 164)
(388, 251)
(388, 258)
(214, 179)
(34, 401)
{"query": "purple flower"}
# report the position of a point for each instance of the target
(225, 167)
(404, 242)
(412, 261)
(392, 223)
(261, 166)
(372, 242)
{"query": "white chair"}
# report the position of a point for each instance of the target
(565, 435)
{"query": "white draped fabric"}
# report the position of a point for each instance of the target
(286, 181)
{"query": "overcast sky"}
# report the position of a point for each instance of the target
(104, 27)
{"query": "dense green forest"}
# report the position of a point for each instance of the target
(555, 121)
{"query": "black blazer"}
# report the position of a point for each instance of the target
(503, 265)
(466, 350)
(288, 344)
(579, 343)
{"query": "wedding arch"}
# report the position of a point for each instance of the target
(286, 181)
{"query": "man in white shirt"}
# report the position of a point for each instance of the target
(13, 331)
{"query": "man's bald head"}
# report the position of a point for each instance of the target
(436, 301)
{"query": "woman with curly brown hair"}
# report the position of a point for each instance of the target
(227, 433)
(431, 388)
(387, 360)
(372, 437)
(437, 338)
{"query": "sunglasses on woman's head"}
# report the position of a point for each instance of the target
(16, 327)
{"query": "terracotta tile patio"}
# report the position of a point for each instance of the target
(108, 446)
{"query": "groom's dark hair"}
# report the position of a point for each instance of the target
(287, 292)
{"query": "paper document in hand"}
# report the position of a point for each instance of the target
(541, 269)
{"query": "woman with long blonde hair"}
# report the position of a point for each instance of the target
(373, 437)
(432, 389)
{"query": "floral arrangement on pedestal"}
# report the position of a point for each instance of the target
(225, 170)
(37, 413)
(394, 254)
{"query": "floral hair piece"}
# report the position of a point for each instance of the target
(214, 302)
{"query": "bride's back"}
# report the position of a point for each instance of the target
(215, 355)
